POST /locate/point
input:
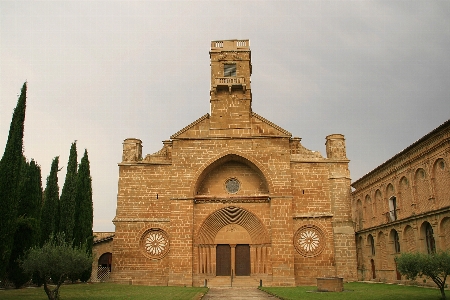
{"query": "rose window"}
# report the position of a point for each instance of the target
(155, 243)
(309, 240)
(232, 185)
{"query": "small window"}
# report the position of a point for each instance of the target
(396, 242)
(431, 245)
(229, 70)
(392, 209)
(372, 244)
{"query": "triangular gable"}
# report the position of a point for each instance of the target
(192, 129)
(263, 127)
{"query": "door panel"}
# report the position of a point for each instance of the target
(242, 260)
(223, 260)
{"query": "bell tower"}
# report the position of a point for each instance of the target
(230, 94)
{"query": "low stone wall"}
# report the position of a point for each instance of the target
(330, 284)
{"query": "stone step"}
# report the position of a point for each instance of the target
(239, 281)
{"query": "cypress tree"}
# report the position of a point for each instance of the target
(67, 200)
(10, 165)
(84, 214)
(27, 232)
(50, 208)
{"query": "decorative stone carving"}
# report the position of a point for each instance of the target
(163, 155)
(155, 243)
(132, 150)
(309, 241)
(254, 199)
(335, 146)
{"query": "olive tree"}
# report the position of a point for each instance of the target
(435, 266)
(55, 261)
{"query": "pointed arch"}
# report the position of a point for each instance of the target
(422, 188)
(409, 238)
(368, 211)
(405, 192)
(444, 233)
(228, 156)
(441, 178)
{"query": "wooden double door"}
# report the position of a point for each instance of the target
(235, 258)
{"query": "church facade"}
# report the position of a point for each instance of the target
(231, 195)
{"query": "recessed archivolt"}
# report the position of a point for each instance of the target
(232, 215)
(226, 157)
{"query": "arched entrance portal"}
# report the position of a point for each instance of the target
(233, 251)
(232, 240)
(104, 266)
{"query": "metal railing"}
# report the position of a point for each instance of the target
(103, 274)
(229, 80)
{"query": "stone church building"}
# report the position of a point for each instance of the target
(233, 195)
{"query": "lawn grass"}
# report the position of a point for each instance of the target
(353, 291)
(358, 291)
(108, 291)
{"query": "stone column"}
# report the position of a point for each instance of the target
(213, 259)
(233, 259)
(253, 260)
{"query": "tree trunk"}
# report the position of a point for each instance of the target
(52, 294)
(442, 288)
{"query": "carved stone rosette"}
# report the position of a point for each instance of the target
(155, 243)
(309, 241)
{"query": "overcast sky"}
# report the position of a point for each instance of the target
(100, 72)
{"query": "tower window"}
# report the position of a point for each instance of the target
(229, 70)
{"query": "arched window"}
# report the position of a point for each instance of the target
(396, 241)
(371, 244)
(359, 214)
(429, 237)
(392, 209)
(368, 213)
(422, 188)
(379, 207)
(359, 252)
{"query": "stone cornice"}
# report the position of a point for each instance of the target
(405, 220)
(233, 137)
(264, 120)
(104, 239)
(310, 216)
(206, 116)
(118, 220)
(143, 163)
(254, 199)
